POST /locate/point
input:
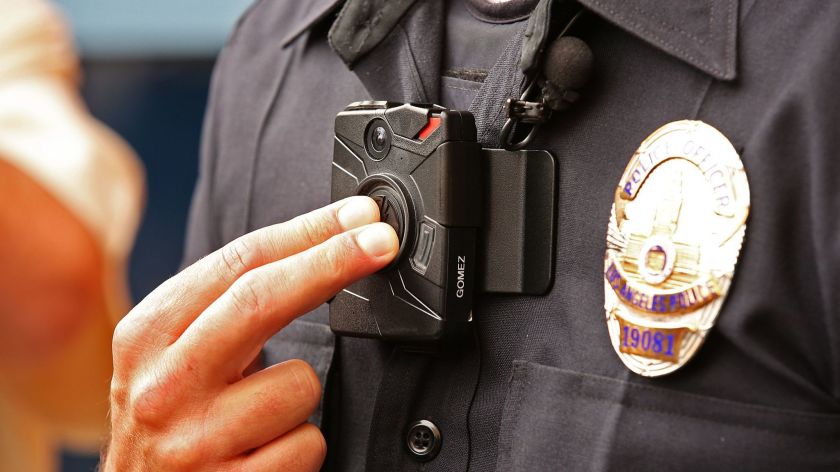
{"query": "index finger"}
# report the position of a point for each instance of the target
(239, 322)
(175, 304)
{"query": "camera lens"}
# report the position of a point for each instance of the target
(379, 139)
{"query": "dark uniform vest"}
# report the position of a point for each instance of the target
(544, 389)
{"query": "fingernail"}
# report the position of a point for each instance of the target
(356, 212)
(377, 240)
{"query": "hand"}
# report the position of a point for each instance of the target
(179, 398)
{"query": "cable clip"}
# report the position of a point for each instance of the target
(525, 112)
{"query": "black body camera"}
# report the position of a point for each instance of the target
(422, 165)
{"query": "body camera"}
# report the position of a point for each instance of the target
(422, 165)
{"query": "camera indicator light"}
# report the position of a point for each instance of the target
(431, 126)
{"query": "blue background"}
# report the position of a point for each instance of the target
(151, 28)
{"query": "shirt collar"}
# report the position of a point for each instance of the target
(318, 10)
(702, 33)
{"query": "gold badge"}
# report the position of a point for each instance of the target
(675, 232)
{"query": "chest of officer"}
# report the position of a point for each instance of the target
(544, 386)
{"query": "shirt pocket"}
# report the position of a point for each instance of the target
(309, 341)
(555, 419)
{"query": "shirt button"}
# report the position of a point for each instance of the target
(423, 440)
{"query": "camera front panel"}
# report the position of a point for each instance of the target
(421, 164)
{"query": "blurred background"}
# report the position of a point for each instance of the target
(146, 67)
(146, 71)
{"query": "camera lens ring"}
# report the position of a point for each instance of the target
(395, 208)
(378, 139)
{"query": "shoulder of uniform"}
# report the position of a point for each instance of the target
(281, 20)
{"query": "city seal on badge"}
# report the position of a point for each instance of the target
(675, 232)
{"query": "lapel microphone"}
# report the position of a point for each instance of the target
(566, 69)
(566, 65)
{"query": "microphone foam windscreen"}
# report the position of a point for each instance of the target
(568, 63)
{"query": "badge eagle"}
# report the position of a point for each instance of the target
(675, 232)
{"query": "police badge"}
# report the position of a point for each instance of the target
(675, 232)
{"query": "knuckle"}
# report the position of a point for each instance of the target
(337, 256)
(313, 229)
(180, 452)
(121, 340)
(235, 258)
(118, 394)
(125, 338)
(247, 297)
(149, 399)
